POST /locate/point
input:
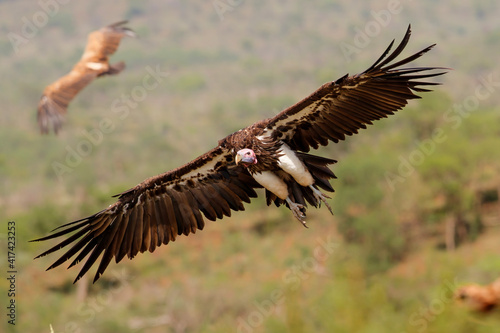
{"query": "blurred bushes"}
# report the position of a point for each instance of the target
(226, 75)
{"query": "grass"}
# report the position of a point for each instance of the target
(258, 271)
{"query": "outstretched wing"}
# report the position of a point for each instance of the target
(156, 211)
(53, 104)
(342, 107)
(104, 42)
(94, 62)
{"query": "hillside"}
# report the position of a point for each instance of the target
(416, 202)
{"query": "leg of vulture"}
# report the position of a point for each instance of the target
(320, 196)
(298, 211)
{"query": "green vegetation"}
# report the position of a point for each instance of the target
(416, 200)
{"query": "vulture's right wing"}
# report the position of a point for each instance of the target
(156, 211)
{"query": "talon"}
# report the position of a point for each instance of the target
(298, 210)
(320, 196)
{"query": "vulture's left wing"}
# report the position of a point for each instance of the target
(342, 107)
(156, 211)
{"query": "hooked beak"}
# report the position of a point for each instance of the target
(245, 159)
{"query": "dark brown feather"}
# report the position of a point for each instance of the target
(120, 237)
(352, 102)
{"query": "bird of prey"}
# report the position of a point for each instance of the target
(480, 298)
(94, 63)
(272, 153)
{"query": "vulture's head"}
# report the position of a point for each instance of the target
(245, 157)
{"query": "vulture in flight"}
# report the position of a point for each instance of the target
(272, 153)
(93, 63)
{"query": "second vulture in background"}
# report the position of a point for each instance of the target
(94, 63)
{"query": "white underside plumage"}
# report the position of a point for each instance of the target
(95, 65)
(292, 165)
(272, 183)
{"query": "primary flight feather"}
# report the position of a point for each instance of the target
(272, 154)
(94, 63)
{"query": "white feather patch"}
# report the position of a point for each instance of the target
(265, 135)
(203, 170)
(272, 183)
(292, 165)
(304, 113)
(95, 65)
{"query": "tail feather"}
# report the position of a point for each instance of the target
(318, 167)
(114, 69)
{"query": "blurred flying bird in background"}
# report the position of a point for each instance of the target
(94, 63)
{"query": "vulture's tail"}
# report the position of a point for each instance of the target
(318, 167)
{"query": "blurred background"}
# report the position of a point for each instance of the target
(417, 196)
